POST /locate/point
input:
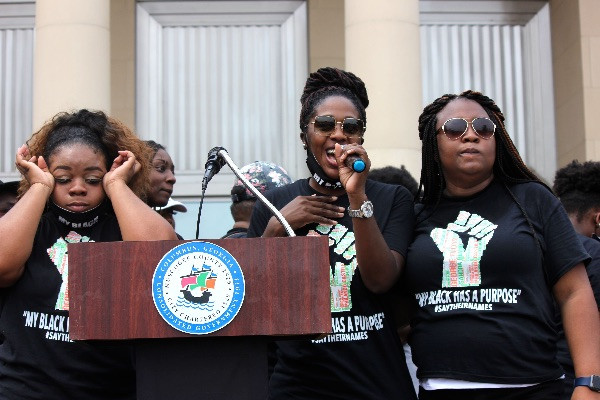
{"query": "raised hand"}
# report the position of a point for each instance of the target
(304, 210)
(33, 168)
(123, 168)
(354, 182)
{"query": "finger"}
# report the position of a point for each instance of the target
(326, 221)
(330, 210)
(322, 199)
(136, 167)
(126, 154)
(41, 162)
(117, 162)
(338, 150)
(338, 212)
(325, 210)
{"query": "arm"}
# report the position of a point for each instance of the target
(582, 325)
(19, 225)
(136, 220)
(379, 266)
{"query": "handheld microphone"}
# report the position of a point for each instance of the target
(213, 164)
(355, 162)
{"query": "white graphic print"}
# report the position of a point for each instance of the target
(461, 266)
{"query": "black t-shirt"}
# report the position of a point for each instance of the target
(363, 357)
(37, 358)
(485, 305)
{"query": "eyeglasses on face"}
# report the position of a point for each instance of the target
(454, 128)
(351, 127)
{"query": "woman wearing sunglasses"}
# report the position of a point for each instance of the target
(493, 249)
(369, 225)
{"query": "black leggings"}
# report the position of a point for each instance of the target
(551, 390)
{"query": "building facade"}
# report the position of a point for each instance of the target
(197, 74)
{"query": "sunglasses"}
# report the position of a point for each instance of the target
(454, 128)
(351, 127)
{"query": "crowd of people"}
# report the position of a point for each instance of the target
(480, 277)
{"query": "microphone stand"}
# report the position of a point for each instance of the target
(223, 153)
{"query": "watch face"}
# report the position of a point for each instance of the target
(367, 209)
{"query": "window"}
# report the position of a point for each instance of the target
(501, 48)
(221, 74)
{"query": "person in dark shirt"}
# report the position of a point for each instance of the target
(263, 176)
(492, 250)
(577, 185)
(368, 225)
(85, 177)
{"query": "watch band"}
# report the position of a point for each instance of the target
(592, 382)
(355, 213)
(365, 210)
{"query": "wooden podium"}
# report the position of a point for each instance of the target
(287, 293)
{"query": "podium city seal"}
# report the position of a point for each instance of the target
(198, 287)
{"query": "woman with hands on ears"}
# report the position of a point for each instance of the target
(84, 177)
(369, 225)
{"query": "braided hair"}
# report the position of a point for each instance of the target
(508, 167)
(329, 81)
(578, 187)
(100, 132)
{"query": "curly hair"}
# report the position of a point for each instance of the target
(98, 131)
(327, 82)
(578, 187)
(508, 166)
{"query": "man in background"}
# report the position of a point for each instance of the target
(170, 209)
(264, 176)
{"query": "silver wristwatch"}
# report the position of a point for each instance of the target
(365, 211)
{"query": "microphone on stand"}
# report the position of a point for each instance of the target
(217, 157)
(211, 168)
(213, 165)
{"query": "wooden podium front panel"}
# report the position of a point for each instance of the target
(286, 280)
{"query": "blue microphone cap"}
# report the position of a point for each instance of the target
(359, 165)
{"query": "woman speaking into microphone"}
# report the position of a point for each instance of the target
(369, 225)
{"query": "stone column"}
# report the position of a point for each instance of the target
(72, 57)
(576, 67)
(383, 49)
